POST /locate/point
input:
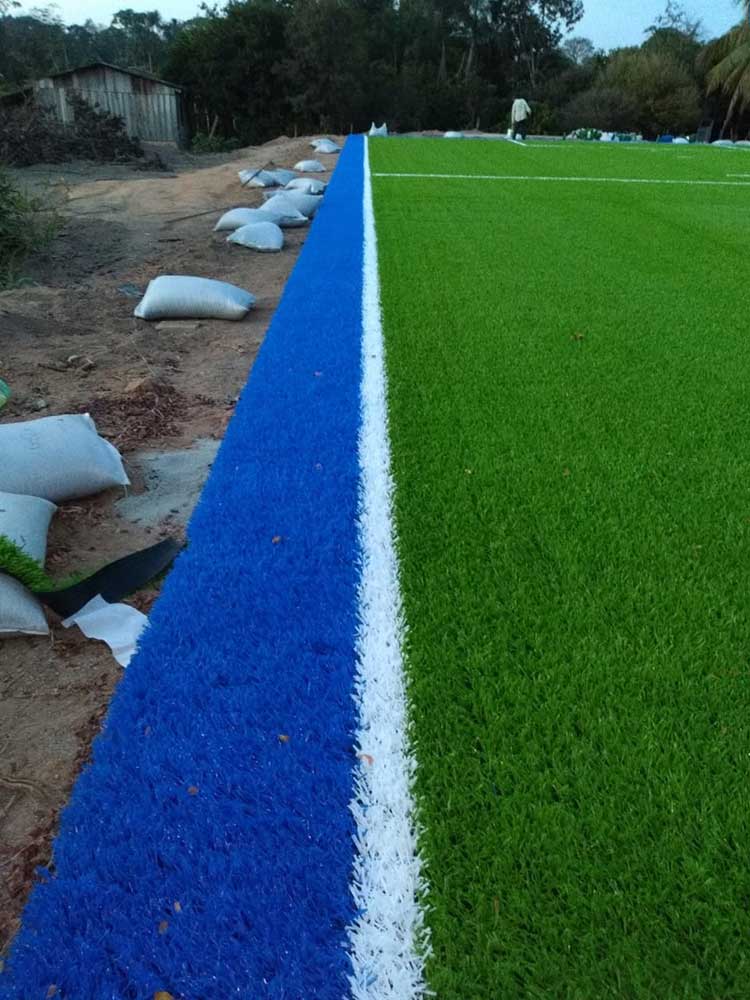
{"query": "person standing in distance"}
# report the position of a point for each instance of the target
(519, 116)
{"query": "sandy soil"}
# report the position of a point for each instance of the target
(69, 343)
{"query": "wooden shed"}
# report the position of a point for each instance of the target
(153, 110)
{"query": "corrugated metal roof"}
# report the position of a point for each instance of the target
(120, 69)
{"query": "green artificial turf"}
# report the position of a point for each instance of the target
(569, 398)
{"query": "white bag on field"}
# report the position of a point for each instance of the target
(325, 146)
(25, 521)
(258, 178)
(237, 217)
(58, 458)
(308, 204)
(310, 185)
(378, 129)
(289, 216)
(173, 296)
(310, 167)
(453, 135)
(265, 237)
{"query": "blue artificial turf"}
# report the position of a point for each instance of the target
(207, 850)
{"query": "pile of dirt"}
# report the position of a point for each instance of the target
(149, 408)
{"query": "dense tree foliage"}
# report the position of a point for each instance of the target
(258, 68)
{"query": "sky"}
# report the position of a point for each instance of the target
(606, 27)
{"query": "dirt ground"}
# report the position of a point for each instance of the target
(69, 343)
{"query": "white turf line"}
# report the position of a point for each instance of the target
(593, 180)
(388, 939)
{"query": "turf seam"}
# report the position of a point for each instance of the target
(388, 938)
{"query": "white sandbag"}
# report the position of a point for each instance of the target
(742, 142)
(258, 178)
(25, 521)
(722, 142)
(237, 217)
(288, 215)
(266, 237)
(378, 129)
(681, 141)
(310, 167)
(308, 204)
(325, 146)
(453, 135)
(20, 612)
(58, 458)
(283, 176)
(310, 185)
(173, 296)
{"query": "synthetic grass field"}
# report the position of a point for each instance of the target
(568, 368)
(520, 719)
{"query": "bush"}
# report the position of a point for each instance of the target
(31, 134)
(205, 143)
(26, 225)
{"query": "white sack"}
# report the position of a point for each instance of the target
(20, 612)
(310, 167)
(310, 185)
(263, 236)
(289, 216)
(325, 146)
(282, 176)
(308, 204)
(58, 458)
(237, 217)
(453, 135)
(173, 296)
(681, 141)
(258, 178)
(378, 129)
(723, 142)
(25, 521)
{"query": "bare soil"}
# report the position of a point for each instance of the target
(69, 343)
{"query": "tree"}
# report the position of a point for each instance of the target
(727, 60)
(579, 49)
(676, 18)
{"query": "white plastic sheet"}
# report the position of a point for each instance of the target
(119, 625)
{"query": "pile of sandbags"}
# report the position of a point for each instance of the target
(44, 462)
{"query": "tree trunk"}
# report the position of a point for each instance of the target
(730, 112)
(443, 67)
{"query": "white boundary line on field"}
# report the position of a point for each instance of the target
(591, 180)
(388, 939)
